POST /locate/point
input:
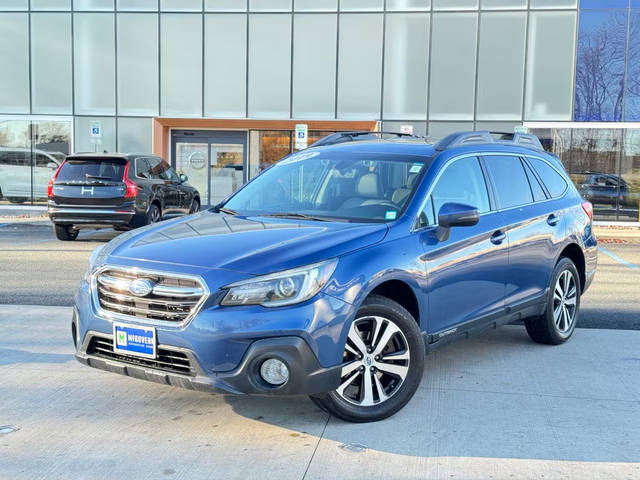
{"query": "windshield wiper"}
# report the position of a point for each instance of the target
(303, 216)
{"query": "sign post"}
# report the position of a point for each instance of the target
(302, 131)
(95, 130)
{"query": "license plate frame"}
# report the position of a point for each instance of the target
(138, 340)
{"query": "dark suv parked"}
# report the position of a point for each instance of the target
(122, 190)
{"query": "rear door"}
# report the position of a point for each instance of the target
(90, 181)
(533, 227)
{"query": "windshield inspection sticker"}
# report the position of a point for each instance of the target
(390, 215)
(416, 167)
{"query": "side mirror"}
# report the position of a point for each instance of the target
(52, 165)
(183, 177)
(455, 215)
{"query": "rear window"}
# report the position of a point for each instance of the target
(549, 176)
(110, 170)
(510, 180)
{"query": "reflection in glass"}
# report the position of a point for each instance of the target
(632, 112)
(226, 163)
(630, 177)
(192, 159)
(29, 154)
(602, 41)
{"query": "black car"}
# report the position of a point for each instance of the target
(602, 188)
(121, 190)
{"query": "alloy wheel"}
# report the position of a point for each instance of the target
(375, 361)
(564, 301)
(155, 215)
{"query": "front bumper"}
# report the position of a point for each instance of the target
(306, 375)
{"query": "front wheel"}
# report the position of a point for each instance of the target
(558, 322)
(383, 362)
(195, 206)
(154, 215)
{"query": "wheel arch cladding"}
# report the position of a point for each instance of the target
(399, 292)
(574, 253)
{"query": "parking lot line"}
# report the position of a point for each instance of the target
(618, 259)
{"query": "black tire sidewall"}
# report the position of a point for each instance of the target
(381, 306)
(65, 232)
(562, 265)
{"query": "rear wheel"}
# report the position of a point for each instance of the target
(558, 322)
(17, 199)
(383, 362)
(65, 232)
(154, 215)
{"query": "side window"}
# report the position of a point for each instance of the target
(462, 182)
(171, 175)
(155, 169)
(142, 168)
(42, 160)
(550, 177)
(536, 188)
(164, 170)
(510, 180)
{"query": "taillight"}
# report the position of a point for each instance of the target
(588, 209)
(50, 184)
(132, 188)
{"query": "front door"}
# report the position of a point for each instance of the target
(214, 161)
(466, 272)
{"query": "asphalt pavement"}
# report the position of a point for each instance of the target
(37, 269)
(494, 407)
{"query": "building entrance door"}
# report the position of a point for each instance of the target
(214, 161)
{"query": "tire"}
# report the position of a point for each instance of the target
(66, 233)
(154, 214)
(350, 401)
(559, 321)
(17, 199)
(195, 206)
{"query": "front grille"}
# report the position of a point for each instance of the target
(167, 360)
(172, 298)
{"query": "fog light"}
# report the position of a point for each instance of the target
(274, 371)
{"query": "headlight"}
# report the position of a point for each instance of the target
(283, 288)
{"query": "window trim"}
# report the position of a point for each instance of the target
(567, 181)
(135, 166)
(414, 227)
(416, 220)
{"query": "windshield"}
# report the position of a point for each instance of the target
(366, 187)
(77, 170)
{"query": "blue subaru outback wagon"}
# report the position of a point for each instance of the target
(334, 271)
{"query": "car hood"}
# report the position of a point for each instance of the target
(253, 245)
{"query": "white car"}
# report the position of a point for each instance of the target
(15, 173)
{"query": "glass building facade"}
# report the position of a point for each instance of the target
(568, 70)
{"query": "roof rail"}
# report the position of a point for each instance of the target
(458, 139)
(355, 136)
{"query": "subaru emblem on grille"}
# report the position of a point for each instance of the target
(141, 287)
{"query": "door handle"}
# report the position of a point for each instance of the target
(553, 219)
(498, 237)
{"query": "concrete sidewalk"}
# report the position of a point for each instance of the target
(498, 406)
